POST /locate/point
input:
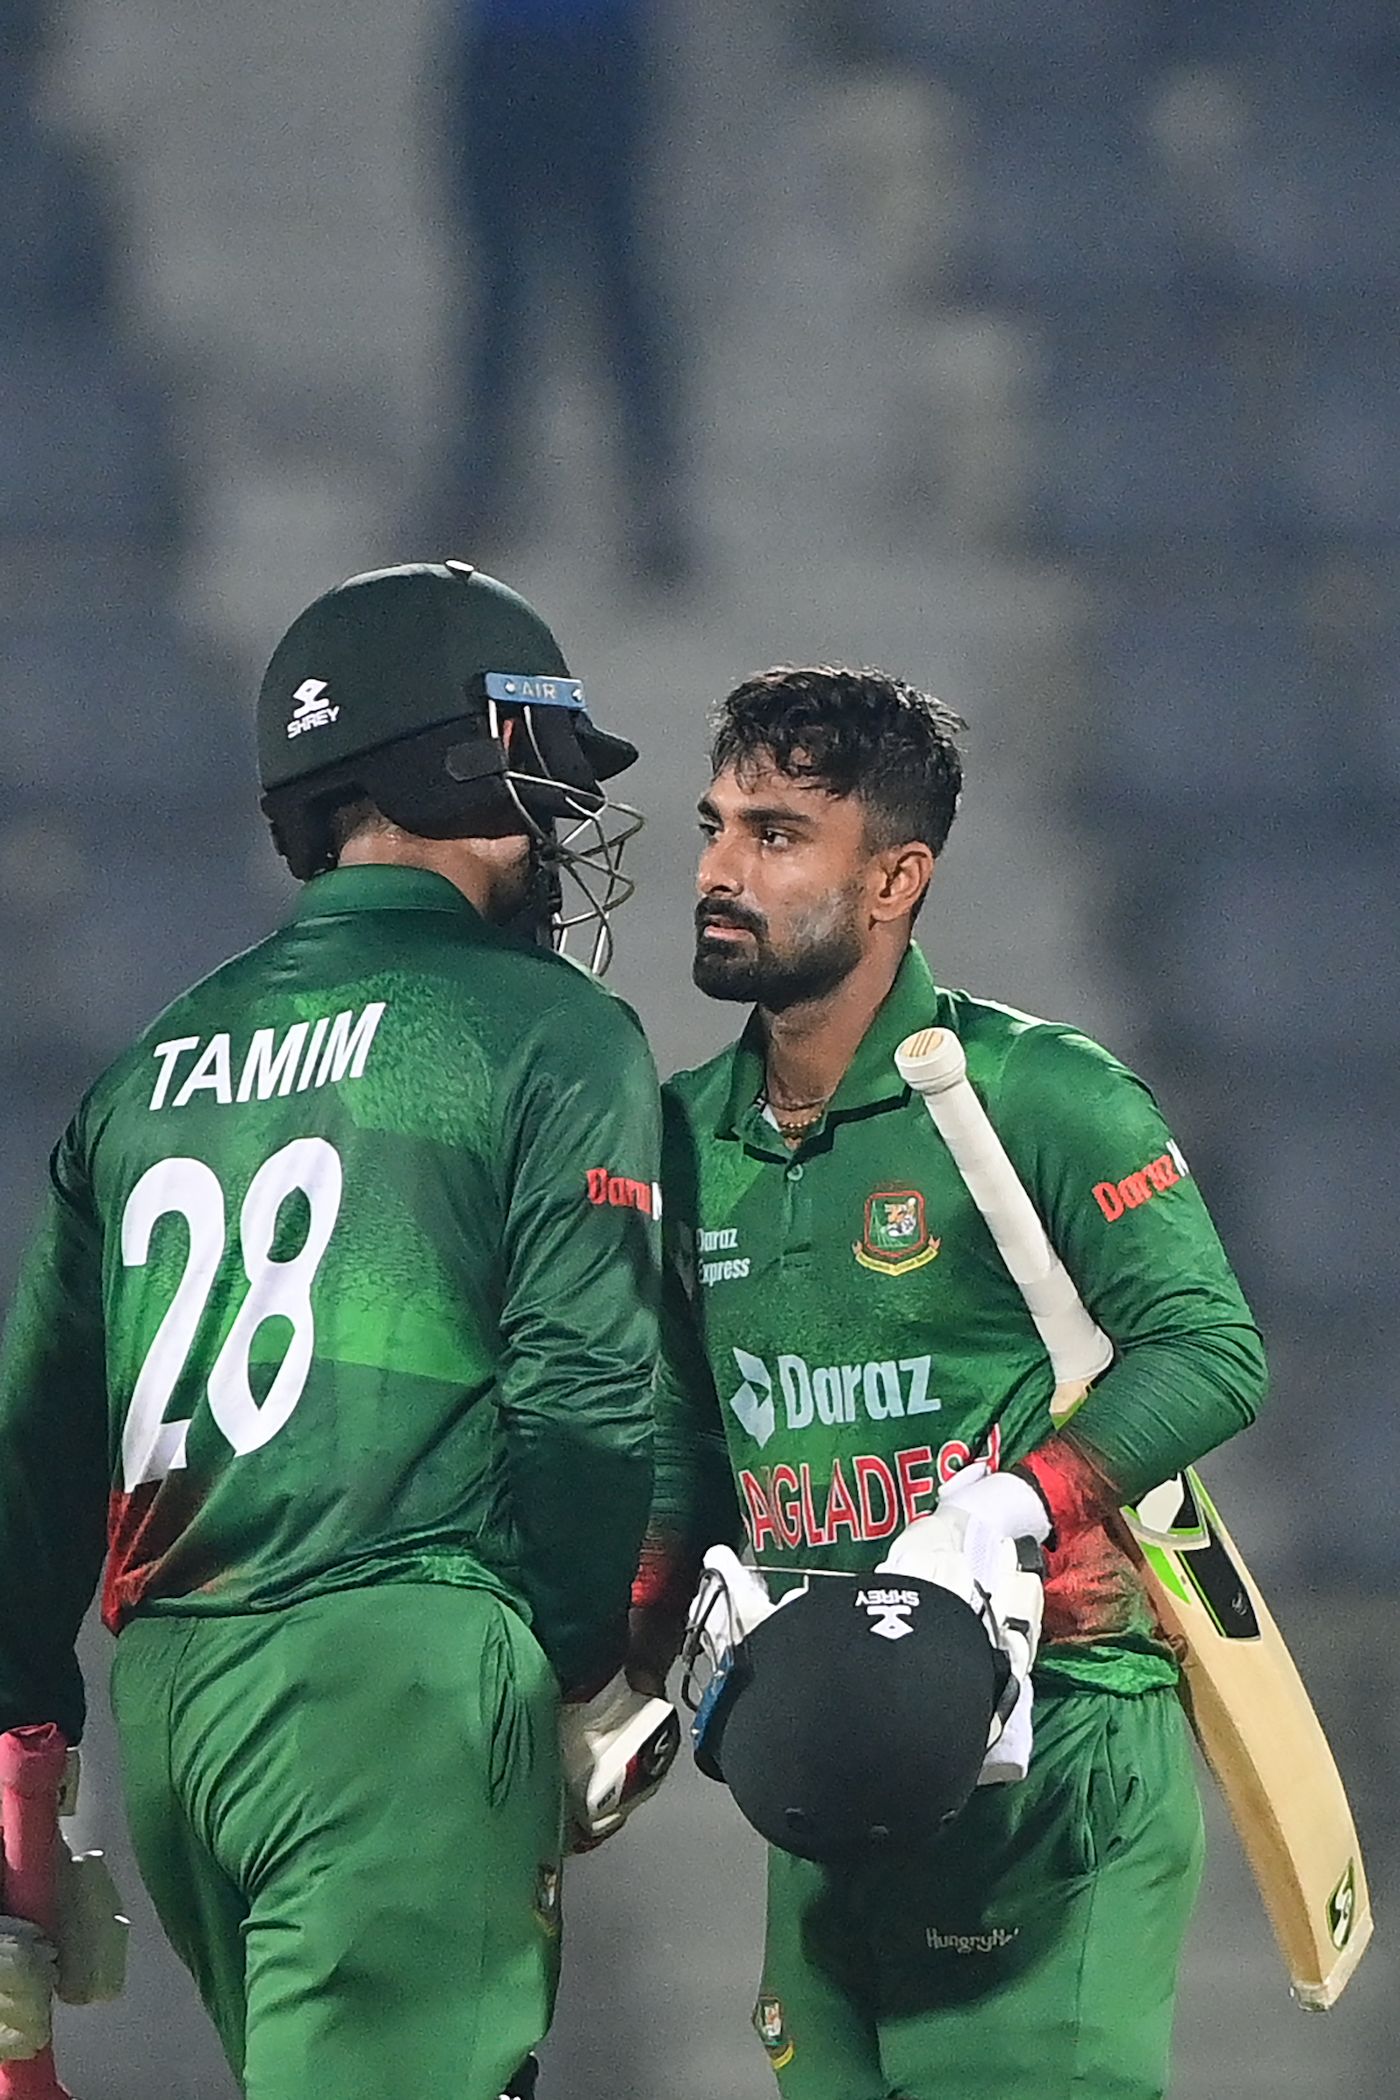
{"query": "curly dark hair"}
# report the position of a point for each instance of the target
(853, 732)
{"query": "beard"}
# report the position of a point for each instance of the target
(526, 897)
(819, 952)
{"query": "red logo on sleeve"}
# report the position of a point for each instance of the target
(622, 1193)
(1159, 1175)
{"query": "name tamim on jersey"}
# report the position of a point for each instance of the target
(273, 1061)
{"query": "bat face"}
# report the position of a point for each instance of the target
(1247, 1705)
(1258, 1731)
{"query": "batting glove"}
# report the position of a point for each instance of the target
(92, 1930)
(28, 1969)
(84, 1963)
(982, 1542)
(616, 1747)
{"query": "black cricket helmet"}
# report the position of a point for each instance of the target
(442, 697)
(855, 1718)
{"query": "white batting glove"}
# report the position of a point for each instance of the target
(979, 1543)
(616, 1748)
(85, 1962)
(732, 1598)
(1003, 1503)
(28, 1967)
(92, 1930)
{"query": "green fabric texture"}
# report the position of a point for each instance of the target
(840, 1332)
(339, 1213)
(348, 1817)
(1032, 1952)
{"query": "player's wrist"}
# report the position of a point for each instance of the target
(1009, 1504)
(1075, 1490)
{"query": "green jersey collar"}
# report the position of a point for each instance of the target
(380, 888)
(910, 1003)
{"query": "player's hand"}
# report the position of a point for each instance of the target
(1003, 1503)
(982, 1542)
(616, 1747)
(731, 1601)
(28, 1968)
(92, 1930)
(85, 1961)
(968, 1543)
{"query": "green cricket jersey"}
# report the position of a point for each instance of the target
(347, 1275)
(842, 1334)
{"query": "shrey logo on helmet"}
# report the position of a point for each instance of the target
(888, 1611)
(313, 709)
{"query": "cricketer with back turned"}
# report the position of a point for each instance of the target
(335, 1343)
(851, 1373)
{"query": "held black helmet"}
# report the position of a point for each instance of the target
(443, 698)
(854, 1718)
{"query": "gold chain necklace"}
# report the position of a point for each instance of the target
(792, 1133)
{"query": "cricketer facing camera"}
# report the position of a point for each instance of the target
(842, 1341)
(329, 1346)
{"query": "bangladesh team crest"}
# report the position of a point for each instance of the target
(896, 1236)
(768, 2024)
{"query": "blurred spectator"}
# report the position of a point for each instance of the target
(548, 123)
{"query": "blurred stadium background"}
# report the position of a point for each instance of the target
(1044, 352)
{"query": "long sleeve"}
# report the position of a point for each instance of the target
(53, 1455)
(694, 1504)
(580, 1162)
(1129, 1222)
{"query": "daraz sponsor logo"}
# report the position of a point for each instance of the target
(622, 1192)
(1159, 1175)
(885, 1390)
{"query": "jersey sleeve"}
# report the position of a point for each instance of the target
(694, 1505)
(53, 1455)
(1125, 1214)
(580, 1145)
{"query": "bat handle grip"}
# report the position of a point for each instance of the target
(31, 1780)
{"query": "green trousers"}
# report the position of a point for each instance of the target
(347, 1814)
(1031, 1954)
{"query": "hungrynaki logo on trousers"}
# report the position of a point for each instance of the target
(970, 1942)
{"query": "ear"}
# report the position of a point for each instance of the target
(901, 875)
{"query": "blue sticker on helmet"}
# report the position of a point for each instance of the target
(516, 691)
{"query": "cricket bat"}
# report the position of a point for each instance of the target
(32, 1762)
(1247, 1705)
